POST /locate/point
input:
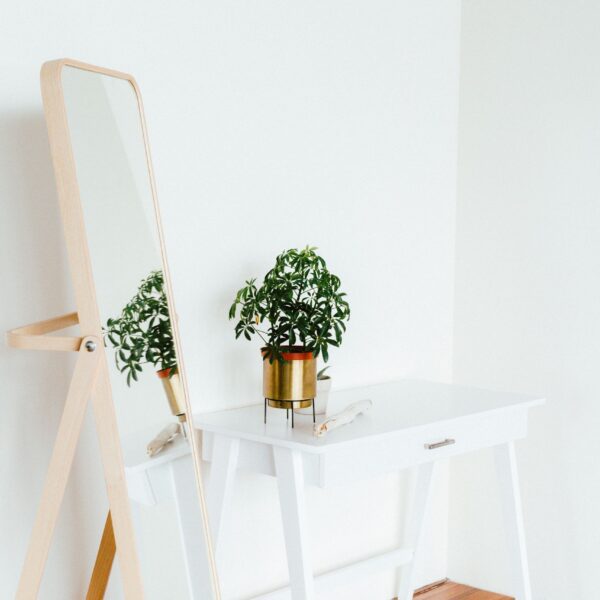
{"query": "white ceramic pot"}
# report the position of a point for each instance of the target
(323, 389)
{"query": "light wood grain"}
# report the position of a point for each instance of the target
(104, 563)
(116, 485)
(456, 591)
(33, 336)
(88, 313)
(82, 383)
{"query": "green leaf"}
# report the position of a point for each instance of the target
(143, 329)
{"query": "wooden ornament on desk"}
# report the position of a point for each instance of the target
(344, 417)
(163, 438)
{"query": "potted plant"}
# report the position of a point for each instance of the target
(142, 335)
(299, 311)
(322, 397)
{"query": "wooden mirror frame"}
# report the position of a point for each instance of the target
(91, 371)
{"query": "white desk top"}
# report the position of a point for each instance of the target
(399, 405)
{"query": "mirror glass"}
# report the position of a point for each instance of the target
(115, 184)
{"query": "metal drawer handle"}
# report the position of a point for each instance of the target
(446, 442)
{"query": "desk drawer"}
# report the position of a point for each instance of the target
(404, 449)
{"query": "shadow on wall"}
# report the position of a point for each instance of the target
(35, 286)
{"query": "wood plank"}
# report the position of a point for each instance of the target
(455, 591)
(104, 563)
(111, 455)
(33, 336)
(84, 377)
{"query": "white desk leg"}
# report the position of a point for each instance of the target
(508, 478)
(220, 486)
(419, 500)
(290, 478)
(190, 528)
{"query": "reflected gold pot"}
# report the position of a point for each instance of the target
(174, 391)
(293, 380)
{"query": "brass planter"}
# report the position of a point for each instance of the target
(174, 391)
(292, 383)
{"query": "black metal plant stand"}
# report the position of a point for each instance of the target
(291, 407)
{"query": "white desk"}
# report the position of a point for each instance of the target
(411, 424)
(142, 473)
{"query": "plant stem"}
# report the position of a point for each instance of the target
(262, 337)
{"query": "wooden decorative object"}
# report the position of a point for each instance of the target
(90, 377)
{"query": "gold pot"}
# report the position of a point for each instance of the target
(174, 391)
(294, 380)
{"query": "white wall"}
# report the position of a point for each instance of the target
(272, 125)
(334, 127)
(527, 285)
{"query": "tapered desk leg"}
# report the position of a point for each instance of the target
(413, 531)
(508, 479)
(220, 486)
(191, 530)
(290, 478)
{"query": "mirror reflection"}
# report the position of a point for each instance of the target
(115, 186)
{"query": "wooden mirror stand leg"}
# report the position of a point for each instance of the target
(90, 379)
(104, 563)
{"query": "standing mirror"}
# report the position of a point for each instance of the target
(108, 201)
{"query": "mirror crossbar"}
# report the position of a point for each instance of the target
(35, 335)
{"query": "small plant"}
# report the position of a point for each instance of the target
(299, 303)
(142, 334)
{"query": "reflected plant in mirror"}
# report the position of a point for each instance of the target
(142, 334)
(299, 312)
